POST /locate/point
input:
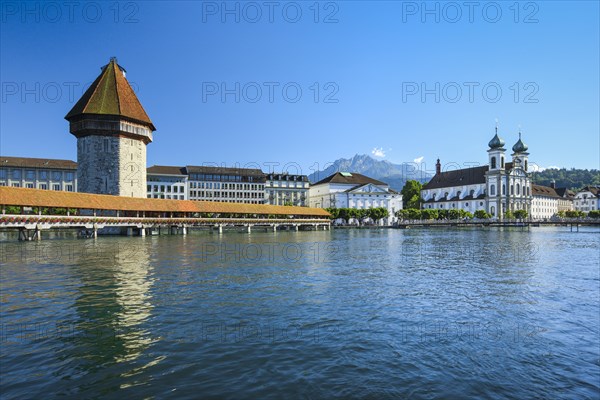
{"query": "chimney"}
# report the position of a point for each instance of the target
(438, 167)
(553, 184)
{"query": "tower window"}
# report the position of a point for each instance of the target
(501, 162)
(492, 190)
(493, 162)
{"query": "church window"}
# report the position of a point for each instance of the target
(492, 190)
(472, 193)
(503, 188)
(518, 189)
(501, 162)
(525, 165)
(493, 162)
(512, 189)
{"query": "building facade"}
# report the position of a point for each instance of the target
(112, 131)
(287, 189)
(165, 182)
(544, 203)
(565, 197)
(38, 173)
(228, 185)
(587, 199)
(351, 190)
(496, 187)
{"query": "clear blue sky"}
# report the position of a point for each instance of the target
(374, 57)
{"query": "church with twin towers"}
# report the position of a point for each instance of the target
(499, 186)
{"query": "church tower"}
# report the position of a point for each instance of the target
(496, 177)
(112, 131)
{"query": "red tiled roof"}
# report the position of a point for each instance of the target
(111, 94)
(12, 196)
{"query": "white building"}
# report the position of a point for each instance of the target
(164, 182)
(287, 189)
(544, 203)
(229, 185)
(351, 190)
(38, 173)
(587, 199)
(495, 187)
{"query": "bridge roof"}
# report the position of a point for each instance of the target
(12, 196)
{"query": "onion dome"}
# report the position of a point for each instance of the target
(520, 147)
(496, 142)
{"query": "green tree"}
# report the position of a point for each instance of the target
(377, 213)
(403, 214)
(411, 194)
(429, 213)
(509, 215)
(335, 212)
(481, 214)
(442, 214)
(453, 214)
(521, 214)
(594, 214)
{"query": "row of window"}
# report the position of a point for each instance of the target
(167, 188)
(453, 205)
(30, 174)
(229, 186)
(43, 186)
(230, 195)
(512, 190)
(225, 178)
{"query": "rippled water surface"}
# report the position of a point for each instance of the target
(346, 313)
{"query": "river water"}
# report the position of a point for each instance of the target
(474, 313)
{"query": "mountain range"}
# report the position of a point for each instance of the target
(394, 175)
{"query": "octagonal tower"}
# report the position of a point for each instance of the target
(112, 131)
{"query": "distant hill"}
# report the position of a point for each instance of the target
(573, 178)
(394, 175)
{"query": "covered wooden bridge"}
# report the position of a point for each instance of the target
(33, 210)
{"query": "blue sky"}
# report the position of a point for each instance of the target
(361, 67)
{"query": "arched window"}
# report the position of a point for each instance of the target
(518, 189)
(512, 189)
(527, 190)
(472, 193)
(458, 194)
(525, 165)
(502, 162)
(503, 188)
(434, 196)
(493, 162)
(493, 211)
(492, 190)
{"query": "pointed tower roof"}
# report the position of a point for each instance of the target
(111, 94)
(496, 142)
(520, 147)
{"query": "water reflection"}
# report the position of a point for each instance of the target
(114, 302)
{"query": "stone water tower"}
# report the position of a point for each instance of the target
(112, 131)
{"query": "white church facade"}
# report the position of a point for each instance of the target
(496, 187)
